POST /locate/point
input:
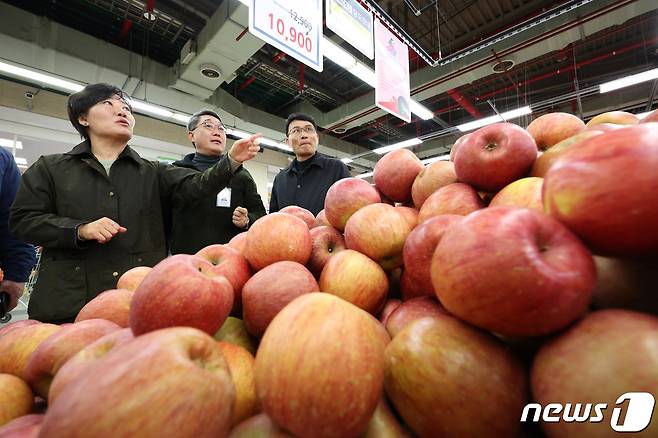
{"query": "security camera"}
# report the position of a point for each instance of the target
(29, 95)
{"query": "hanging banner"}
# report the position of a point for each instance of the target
(353, 23)
(392, 93)
(292, 26)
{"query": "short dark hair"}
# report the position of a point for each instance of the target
(80, 102)
(300, 116)
(194, 119)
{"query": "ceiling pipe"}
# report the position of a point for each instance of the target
(465, 102)
(529, 42)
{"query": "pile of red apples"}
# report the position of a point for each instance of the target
(437, 302)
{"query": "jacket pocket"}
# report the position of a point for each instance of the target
(60, 291)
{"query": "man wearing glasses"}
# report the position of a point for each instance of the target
(307, 179)
(220, 217)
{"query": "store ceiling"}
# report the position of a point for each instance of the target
(270, 81)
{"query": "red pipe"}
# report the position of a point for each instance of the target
(125, 28)
(465, 102)
(577, 22)
(150, 4)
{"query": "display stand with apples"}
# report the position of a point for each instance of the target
(510, 291)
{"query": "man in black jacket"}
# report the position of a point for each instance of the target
(217, 218)
(307, 179)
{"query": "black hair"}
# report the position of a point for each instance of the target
(194, 120)
(80, 102)
(300, 116)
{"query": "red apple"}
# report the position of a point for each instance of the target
(513, 271)
(234, 332)
(411, 310)
(384, 424)
(446, 378)
(17, 346)
(301, 213)
(389, 306)
(270, 290)
(112, 305)
(182, 290)
(524, 193)
(385, 199)
(651, 117)
(626, 283)
(321, 219)
(259, 426)
(436, 175)
(327, 242)
(241, 364)
(357, 279)
(410, 214)
(305, 379)
(546, 159)
(550, 129)
(494, 156)
(133, 277)
(73, 368)
(27, 426)
(238, 242)
(455, 146)
(15, 398)
(51, 354)
(231, 264)
(172, 382)
(17, 324)
(410, 288)
(454, 199)
(606, 355)
(395, 173)
(378, 231)
(614, 117)
(420, 246)
(345, 197)
(605, 191)
(275, 238)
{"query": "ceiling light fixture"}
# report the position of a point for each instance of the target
(629, 80)
(41, 78)
(503, 117)
(400, 145)
(366, 175)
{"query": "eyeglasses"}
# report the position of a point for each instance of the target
(212, 127)
(305, 130)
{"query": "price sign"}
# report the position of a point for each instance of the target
(292, 26)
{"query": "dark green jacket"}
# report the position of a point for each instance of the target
(199, 223)
(60, 192)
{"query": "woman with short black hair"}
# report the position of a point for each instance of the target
(97, 210)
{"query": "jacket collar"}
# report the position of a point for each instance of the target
(84, 150)
(317, 160)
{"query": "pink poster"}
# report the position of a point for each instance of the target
(392, 73)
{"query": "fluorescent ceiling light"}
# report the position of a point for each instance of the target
(433, 159)
(366, 175)
(629, 80)
(148, 108)
(237, 133)
(276, 144)
(421, 111)
(8, 143)
(20, 160)
(402, 144)
(337, 54)
(181, 117)
(508, 115)
(363, 72)
(40, 77)
(346, 160)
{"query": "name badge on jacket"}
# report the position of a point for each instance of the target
(224, 198)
